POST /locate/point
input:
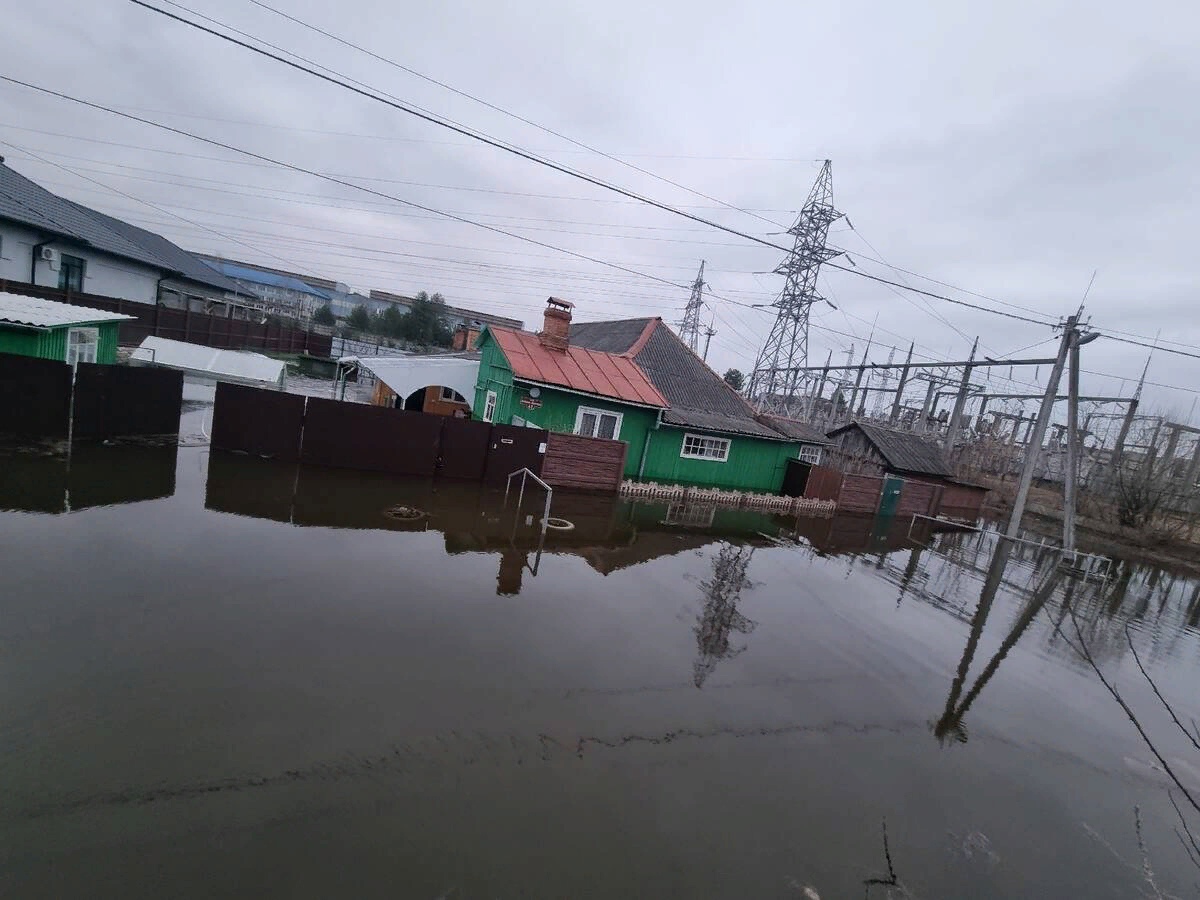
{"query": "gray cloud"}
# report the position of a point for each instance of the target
(1010, 149)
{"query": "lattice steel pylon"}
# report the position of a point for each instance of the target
(773, 385)
(689, 325)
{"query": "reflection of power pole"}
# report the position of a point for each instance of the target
(721, 617)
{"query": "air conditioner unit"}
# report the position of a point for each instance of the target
(50, 255)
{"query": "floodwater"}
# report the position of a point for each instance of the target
(221, 676)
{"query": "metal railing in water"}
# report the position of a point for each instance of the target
(526, 474)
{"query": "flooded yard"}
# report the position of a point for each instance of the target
(222, 676)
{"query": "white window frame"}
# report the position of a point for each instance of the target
(489, 407)
(74, 356)
(453, 398)
(811, 453)
(598, 413)
(725, 444)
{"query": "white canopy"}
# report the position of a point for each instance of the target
(405, 375)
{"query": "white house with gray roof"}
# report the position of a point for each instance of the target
(50, 241)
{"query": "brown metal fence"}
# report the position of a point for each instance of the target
(121, 401)
(332, 433)
(185, 325)
(35, 397)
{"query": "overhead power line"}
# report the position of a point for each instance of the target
(534, 158)
(512, 115)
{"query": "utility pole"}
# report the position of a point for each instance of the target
(689, 325)
(815, 400)
(858, 379)
(900, 387)
(960, 401)
(708, 336)
(1033, 449)
(1074, 445)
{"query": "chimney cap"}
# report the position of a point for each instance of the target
(561, 304)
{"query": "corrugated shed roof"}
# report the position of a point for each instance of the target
(235, 365)
(577, 368)
(903, 451)
(18, 309)
(698, 396)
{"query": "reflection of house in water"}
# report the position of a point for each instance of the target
(609, 534)
(89, 476)
(721, 618)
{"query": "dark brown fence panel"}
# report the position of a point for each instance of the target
(916, 498)
(371, 438)
(35, 397)
(823, 483)
(252, 420)
(123, 401)
(860, 493)
(513, 447)
(465, 445)
(584, 463)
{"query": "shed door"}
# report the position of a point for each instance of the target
(82, 345)
(890, 499)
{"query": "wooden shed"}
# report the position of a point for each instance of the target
(46, 329)
(917, 479)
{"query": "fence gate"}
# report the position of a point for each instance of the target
(514, 447)
(465, 445)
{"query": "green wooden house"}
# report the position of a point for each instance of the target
(634, 380)
(30, 326)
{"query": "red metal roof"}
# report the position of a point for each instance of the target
(590, 371)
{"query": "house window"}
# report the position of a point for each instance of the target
(489, 407)
(598, 423)
(698, 516)
(82, 344)
(810, 454)
(70, 272)
(696, 446)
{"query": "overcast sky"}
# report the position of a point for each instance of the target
(1009, 149)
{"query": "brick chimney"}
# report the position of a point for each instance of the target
(557, 324)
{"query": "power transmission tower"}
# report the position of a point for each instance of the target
(773, 383)
(689, 326)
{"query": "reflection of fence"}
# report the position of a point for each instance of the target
(733, 499)
(185, 325)
(39, 400)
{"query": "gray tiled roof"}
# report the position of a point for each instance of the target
(698, 396)
(28, 203)
(188, 265)
(904, 452)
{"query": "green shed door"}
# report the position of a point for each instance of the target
(891, 496)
